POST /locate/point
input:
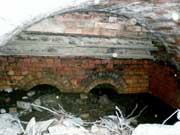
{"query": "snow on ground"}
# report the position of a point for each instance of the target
(10, 125)
(157, 129)
(66, 124)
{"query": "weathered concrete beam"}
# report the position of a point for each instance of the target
(121, 44)
(67, 45)
(76, 51)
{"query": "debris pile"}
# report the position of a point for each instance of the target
(64, 123)
(60, 122)
(159, 129)
(10, 125)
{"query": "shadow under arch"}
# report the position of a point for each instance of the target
(34, 83)
(45, 88)
(104, 89)
(33, 80)
(111, 78)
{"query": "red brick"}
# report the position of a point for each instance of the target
(137, 74)
(50, 61)
(178, 40)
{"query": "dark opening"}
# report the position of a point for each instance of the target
(156, 111)
(8, 100)
(104, 89)
(44, 89)
(101, 101)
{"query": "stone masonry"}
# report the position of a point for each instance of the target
(78, 50)
(82, 74)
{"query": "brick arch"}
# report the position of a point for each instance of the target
(118, 88)
(33, 83)
(112, 78)
(30, 81)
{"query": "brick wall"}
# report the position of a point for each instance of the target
(90, 23)
(164, 84)
(81, 74)
(74, 74)
(178, 89)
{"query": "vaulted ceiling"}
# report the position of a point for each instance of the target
(158, 20)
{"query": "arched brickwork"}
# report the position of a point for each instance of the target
(32, 80)
(107, 81)
(74, 74)
(113, 78)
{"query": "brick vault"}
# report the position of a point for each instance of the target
(133, 46)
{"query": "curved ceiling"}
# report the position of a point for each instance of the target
(156, 15)
(16, 15)
(161, 18)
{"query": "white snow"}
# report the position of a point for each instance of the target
(157, 129)
(15, 14)
(67, 124)
(9, 125)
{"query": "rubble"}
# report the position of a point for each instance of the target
(63, 123)
(83, 96)
(24, 105)
(59, 122)
(104, 100)
(12, 110)
(8, 90)
(31, 93)
(85, 115)
(2, 110)
(67, 124)
(24, 97)
(10, 125)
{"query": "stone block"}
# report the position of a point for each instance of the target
(83, 96)
(11, 73)
(24, 72)
(11, 59)
(24, 105)
(132, 21)
(134, 28)
(50, 61)
(178, 41)
(113, 19)
(73, 31)
(12, 110)
(112, 26)
(108, 32)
